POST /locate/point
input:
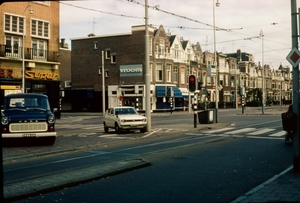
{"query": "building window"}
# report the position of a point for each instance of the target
(150, 71)
(162, 47)
(95, 45)
(169, 76)
(39, 28)
(182, 77)
(113, 58)
(14, 24)
(107, 54)
(105, 72)
(175, 74)
(159, 72)
(12, 46)
(150, 47)
(39, 49)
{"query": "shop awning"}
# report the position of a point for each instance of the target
(163, 91)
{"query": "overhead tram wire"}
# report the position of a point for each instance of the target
(173, 14)
(105, 12)
(180, 16)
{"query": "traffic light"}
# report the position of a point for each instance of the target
(192, 83)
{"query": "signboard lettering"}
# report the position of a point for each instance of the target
(131, 70)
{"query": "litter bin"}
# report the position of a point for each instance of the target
(206, 117)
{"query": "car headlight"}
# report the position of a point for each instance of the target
(145, 120)
(51, 119)
(4, 120)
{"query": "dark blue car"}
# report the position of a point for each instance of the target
(28, 116)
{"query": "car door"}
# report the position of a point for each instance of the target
(110, 118)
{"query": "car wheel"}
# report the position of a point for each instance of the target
(117, 128)
(105, 128)
(142, 130)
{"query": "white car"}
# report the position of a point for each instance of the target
(124, 118)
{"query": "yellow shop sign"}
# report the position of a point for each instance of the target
(41, 75)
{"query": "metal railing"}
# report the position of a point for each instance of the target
(30, 53)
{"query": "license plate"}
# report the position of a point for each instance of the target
(29, 135)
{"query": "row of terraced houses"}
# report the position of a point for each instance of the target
(122, 57)
(172, 60)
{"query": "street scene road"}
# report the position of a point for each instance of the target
(174, 162)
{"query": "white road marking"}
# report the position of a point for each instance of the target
(278, 134)
(218, 130)
(262, 131)
(244, 130)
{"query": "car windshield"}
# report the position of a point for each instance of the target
(125, 111)
(26, 103)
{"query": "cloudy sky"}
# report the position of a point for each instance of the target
(238, 22)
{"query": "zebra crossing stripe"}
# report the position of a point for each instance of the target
(218, 130)
(244, 130)
(258, 132)
(278, 134)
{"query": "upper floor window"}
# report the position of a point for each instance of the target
(12, 46)
(169, 76)
(150, 71)
(107, 54)
(175, 74)
(39, 49)
(159, 72)
(162, 47)
(113, 58)
(39, 28)
(14, 24)
(150, 47)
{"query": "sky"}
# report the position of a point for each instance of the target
(238, 23)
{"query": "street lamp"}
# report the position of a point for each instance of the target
(280, 89)
(236, 96)
(261, 34)
(215, 58)
(23, 44)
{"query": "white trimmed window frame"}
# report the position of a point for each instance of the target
(40, 28)
(14, 24)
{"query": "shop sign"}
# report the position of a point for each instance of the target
(41, 75)
(131, 70)
(29, 74)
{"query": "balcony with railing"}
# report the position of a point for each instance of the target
(15, 52)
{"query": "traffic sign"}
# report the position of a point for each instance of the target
(294, 57)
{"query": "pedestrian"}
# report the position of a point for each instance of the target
(291, 122)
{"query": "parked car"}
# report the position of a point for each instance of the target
(27, 116)
(124, 118)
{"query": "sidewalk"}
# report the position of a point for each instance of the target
(284, 187)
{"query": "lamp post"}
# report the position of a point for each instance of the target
(261, 34)
(236, 97)
(280, 89)
(103, 83)
(23, 44)
(147, 71)
(215, 58)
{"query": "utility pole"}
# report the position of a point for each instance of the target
(147, 74)
(296, 144)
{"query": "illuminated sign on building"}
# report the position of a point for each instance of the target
(131, 70)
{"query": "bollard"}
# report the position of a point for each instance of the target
(195, 115)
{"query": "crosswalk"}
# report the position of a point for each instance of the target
(270, 132)
(98, 130)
